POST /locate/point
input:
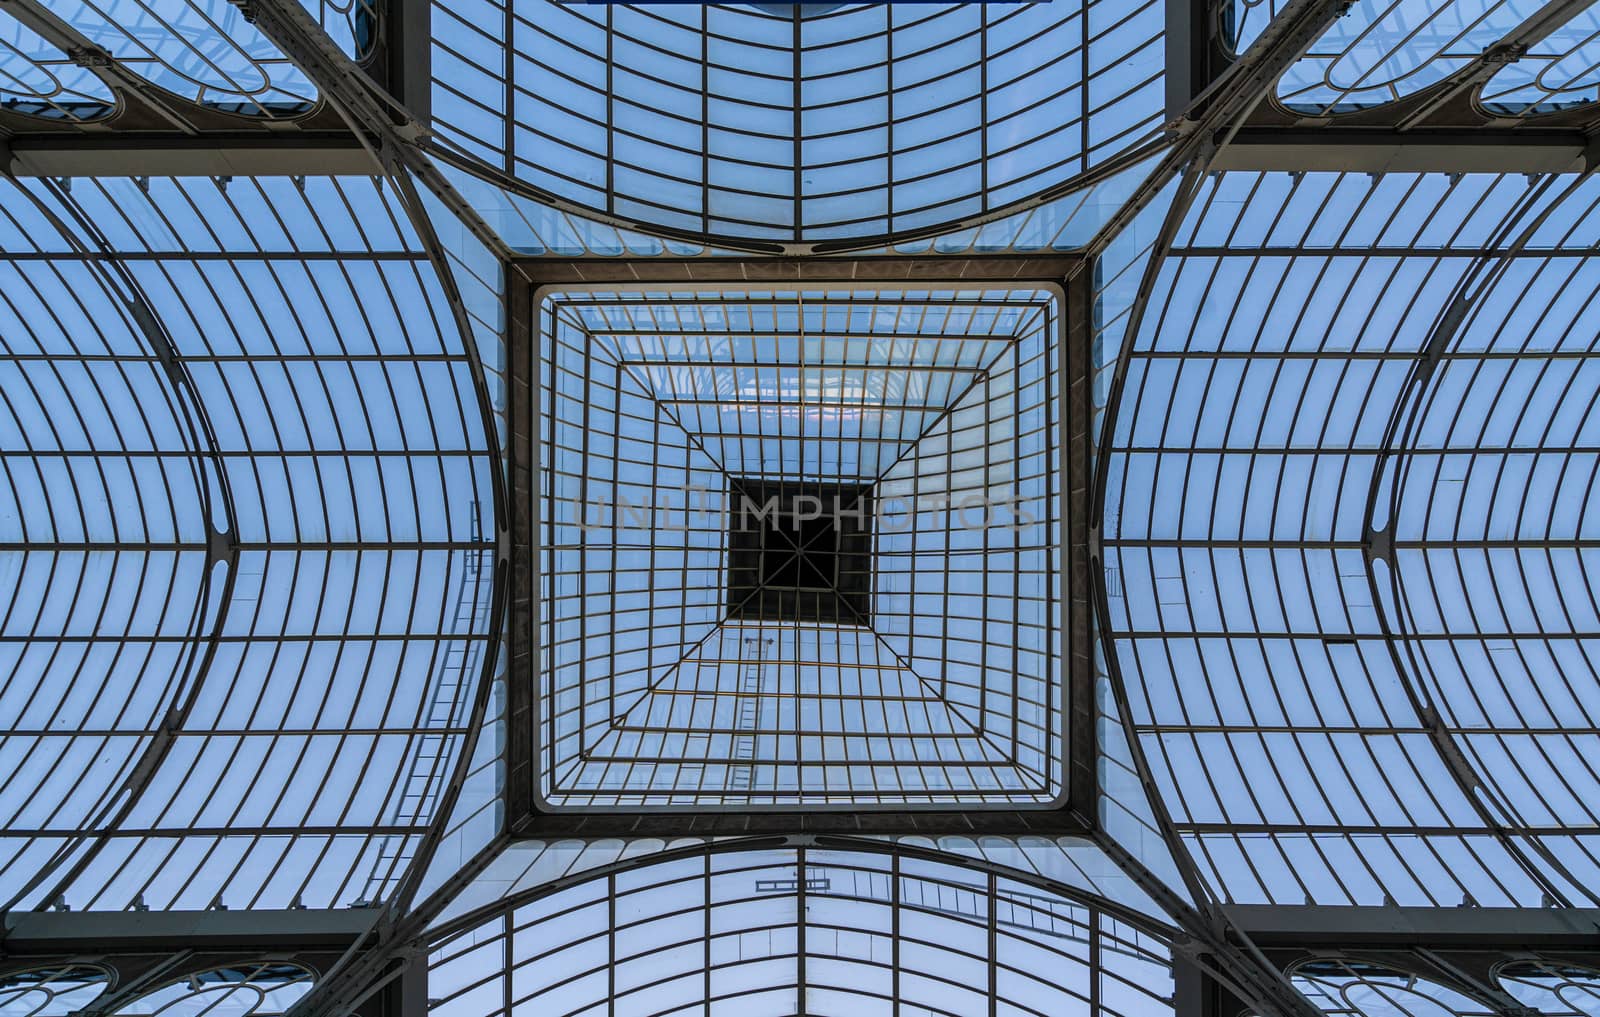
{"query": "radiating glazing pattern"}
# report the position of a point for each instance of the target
(40, 80)
(246, 510)
(1343, 539)
(1384, 50)
(759, 933)
(261, 989)
(203, 50)
(803, 122)
(1353, 988)
(1552, 987)
(48, 992)
(1560, 72)
(945, 685)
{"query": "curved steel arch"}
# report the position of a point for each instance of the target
(766, 147)
(1399, 440)
(1360, 980)
(53, 76)
(221, 548)
(358, 975)
(713, 244)
(760, 854)
(54, 982)
(1132, 916)
(1543, 982)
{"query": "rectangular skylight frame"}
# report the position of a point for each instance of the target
(1068, 709)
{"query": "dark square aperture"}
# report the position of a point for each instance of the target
(800, 551)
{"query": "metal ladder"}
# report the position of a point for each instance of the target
(747, 716)
(424, 781)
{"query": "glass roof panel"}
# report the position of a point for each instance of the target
(663, 690)
(214, 447)
(1251, 614)
(355, 26)
(756, 932)
(1384, 50)
(1241, 22)
(1560, 71)
(1552, 987)
(804, 122)
(1354, 988)
(203, 50)
(530, 227)
(40, 80)
(40, 992)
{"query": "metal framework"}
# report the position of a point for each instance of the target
(318, 319)
(797, 732)
(895, 391)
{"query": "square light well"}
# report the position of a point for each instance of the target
(800, 548)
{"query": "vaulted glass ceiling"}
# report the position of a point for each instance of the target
(1408, 714)
(254, 435)
(812, 931)
(245, 525)
(795, 122)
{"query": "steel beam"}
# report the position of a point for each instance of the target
(1195, 993)
(410, 56)
(211, 155)
(1383, 150)
(60, 932)
(612, 824)
(1188, 42)
(1271, 926)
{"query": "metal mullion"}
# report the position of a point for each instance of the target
(546, 400)
(611, 115)
(983, 106)
(155, 868)
(706, 955)
(894, 932)
(910, 337)
(983, 620)
(235, 358)
(800, 924)
(993, 931)
(797, 124)
(584, 402)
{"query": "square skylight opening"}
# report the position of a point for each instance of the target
(799, 552)
(886, 630)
